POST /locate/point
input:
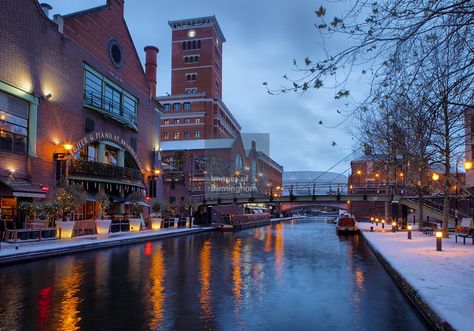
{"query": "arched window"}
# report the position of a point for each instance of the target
(199, 44)
(189, 44)
(194, 44)
(239, 163)
(186, 59)
(184, 45)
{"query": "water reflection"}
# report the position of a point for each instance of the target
(157, 290)
(69, 283)
(205, 280)
(236, 273)
(279, 249)
(268, 239)
(212, 281)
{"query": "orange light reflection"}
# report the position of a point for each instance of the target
(205, 279)
(157, 295)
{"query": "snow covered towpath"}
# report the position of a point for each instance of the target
(439, 282)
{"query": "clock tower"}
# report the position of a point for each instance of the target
(197, 57)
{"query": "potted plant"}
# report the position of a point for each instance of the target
(31, 210)
(51, 211)
(135, 201)
(191, 206)
(68, 199)
(156, 217)
(102, 225)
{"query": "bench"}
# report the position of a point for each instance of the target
(26, 235)
(429, 228)
(464, 236)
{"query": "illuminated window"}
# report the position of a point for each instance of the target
(166, 135)
(197, 134)
(176, 135)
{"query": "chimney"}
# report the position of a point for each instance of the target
(59, 20)
(46, 8)
(150, 68)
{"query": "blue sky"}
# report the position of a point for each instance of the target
(263, 38)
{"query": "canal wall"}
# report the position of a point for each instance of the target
(423, 307)
(22, 252)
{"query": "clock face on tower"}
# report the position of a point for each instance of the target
(192, 33)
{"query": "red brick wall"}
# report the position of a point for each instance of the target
(37, 58)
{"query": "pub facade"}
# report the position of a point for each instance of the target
(76, 106)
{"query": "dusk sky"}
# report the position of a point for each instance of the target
(263, 38)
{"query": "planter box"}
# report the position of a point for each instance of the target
(156, 223)
(65, 229)
(102, 226)
(135, 224)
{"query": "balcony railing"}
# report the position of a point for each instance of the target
(102, 170)
(110, 107)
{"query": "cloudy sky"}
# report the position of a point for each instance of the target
(263, 38)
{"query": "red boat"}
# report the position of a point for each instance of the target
(346, 223)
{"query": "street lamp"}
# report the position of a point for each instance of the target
(68, 148)
(409, 227)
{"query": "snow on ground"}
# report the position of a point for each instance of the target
(445, 280)
(9, 249)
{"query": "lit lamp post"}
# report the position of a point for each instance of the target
(409, 227)
(434, 177)
(468, 166)
(439, 238)
(394, 227)
(383, 224)
(68, 148)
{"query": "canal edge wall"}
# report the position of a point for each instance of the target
(435, 321)
(52, 252)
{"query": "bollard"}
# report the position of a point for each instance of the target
(383, 224)
(371, 229)
(409, 227)
(439, 238)
(394, 227)
(16, 247)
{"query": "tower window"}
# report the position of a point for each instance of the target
(190, 77)
(184, 45)
(194, 44)
(199, 44)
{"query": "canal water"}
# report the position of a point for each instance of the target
(288, 276)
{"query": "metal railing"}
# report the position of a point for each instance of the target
(102, 170)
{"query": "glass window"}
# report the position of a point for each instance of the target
(91, 153)
(187, 121)
(184, 45)
(93, 89)
(112, 100)
(166, 135)
(166, 107)
(197, 134)
(130, 109)
(186, 134)
(176, 135)
(111, 156)
(103, 94)
(197, 120)
(187, 105)
(239, 164)
(13, 123)
(175, 106)
(166, 122)
(176, 121)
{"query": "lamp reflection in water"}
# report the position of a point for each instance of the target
(279, 249)
(205, 279)
(268, 239)
(157, 289)
(70, 281)
(236, 274)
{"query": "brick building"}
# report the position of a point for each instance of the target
(200, 137)
(75, 105)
